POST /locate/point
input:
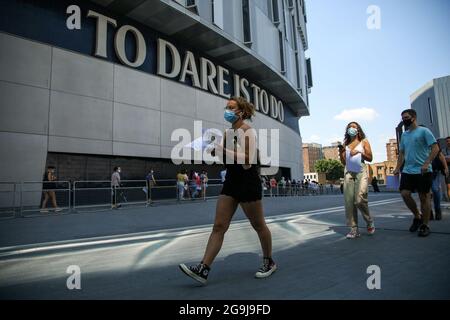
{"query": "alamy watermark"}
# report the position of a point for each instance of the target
(374, 19)
(212, 146)
(74, 280)
(374, 280)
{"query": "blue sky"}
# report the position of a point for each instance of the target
(375, 71)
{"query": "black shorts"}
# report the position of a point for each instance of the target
(416, 182)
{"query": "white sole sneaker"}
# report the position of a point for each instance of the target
(260, 275)
(351, 237)
(194, 276)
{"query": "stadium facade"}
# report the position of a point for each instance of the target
(88, 85)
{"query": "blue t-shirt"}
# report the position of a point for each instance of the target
(416, 146)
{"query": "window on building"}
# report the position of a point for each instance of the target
(285, 21)
(297, 72)
(309, 73)
(430, 110)
(192, 5)
(217, 12)
(304, 11)
(293, 33)
(275, 12)
(297, 11)
(246, 22)
(281, 43)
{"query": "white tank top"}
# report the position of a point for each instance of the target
(354, 164)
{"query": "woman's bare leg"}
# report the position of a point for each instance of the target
(53, 198)
(254, 212)
(44, 203)
(225, 209)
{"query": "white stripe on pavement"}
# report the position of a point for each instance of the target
(152, 235)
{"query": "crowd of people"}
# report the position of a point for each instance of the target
(287, 187)
(192, 186)
(421, 164)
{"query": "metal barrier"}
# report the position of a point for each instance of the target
(131, 192)
(35, 197)
(100, 194)
(91, 194)
(298, 190)
(8, 198)
(27, 198)
(212, 188)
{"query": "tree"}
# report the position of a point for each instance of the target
(333, 169)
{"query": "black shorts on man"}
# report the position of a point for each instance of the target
(416, 182)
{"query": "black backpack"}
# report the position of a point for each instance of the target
(437, 164)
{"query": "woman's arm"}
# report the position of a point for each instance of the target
(246, 152)
(342, 155)
(367, 151)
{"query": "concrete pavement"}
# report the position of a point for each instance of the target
(315, 260)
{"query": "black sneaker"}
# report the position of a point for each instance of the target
(438, 214)
(268, 267)
(424, 231)
(416, 224)
(199, 272)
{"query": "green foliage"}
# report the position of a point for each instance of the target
(333, 169)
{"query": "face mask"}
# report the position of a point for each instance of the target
(230, 116)
(407, 122)
(352, 132)
(119, 171)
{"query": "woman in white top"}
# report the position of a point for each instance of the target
(356, 182)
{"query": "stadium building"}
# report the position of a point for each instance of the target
(89, 85)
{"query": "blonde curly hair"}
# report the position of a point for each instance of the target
(247, 108)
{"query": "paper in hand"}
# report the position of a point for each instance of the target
(207, 141)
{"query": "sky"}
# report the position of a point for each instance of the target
(367, 75)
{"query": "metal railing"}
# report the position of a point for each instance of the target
(8, 198)
(37, 197)
(298, 190)
(27, 198)
(91, 194)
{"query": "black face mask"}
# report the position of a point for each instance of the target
(407, 123)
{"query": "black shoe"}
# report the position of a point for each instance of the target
(268, 267)
(438, 214)
(424, 231)
(431, 215)
(416, 224)
(199, 272)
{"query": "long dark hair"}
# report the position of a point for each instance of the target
(361, 134)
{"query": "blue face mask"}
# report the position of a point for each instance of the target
(230, 116)
(352, 132)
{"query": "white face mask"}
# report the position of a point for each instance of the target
(119, 171)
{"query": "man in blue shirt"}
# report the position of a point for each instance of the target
(418, 148)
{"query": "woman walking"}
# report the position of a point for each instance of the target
(181, 183)
(356, 182)
(242, 187)
(49, 187)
